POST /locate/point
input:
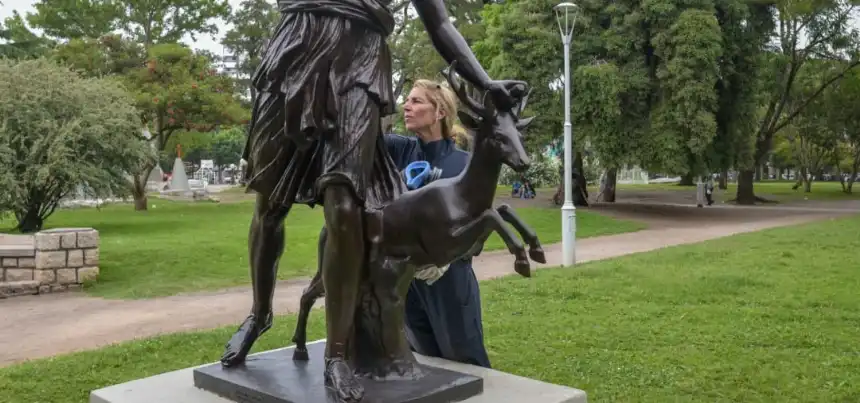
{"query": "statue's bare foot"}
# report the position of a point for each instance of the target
(537, 254)
(240, 344)
(340, 377)
(523, 267)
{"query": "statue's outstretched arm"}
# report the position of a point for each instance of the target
(449, 42)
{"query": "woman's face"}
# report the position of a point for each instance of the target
(418, 113)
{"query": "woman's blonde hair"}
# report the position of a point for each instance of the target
(444, 99)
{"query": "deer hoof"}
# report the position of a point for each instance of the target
(523, 268)
(300, 354)
(537, 255)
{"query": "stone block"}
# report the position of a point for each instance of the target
(69, 241)
(9, 262)
(58, 288)
(27, 262)
(75, 258)
(44, 276)
(74, 287)
(44, 289)
(19, 275)
(16, 288)
(87, 274)
(47, 241)
(50, 260)
(91, 257)
(67, 276)
(88, 239)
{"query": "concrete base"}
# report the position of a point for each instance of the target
(499, 387)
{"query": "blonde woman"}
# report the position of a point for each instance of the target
(443, 318)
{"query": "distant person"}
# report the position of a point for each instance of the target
(709, 190)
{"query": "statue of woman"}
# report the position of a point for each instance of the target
(323, 85)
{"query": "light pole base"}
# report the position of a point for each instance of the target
(568, 234)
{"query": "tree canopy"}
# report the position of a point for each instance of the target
(61, 133)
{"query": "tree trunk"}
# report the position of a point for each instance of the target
(609, 185)
(807, 185)
(746, 195)
(850, 181)
(724, 180)
(31, 221)
(580, 185)
(138, 188)
(138, 191)
(687, 180)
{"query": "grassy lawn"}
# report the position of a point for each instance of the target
(178, 247)
(776, 190)
(760, 317)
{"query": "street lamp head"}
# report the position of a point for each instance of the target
(566, 13)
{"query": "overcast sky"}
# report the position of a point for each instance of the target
(207, 42)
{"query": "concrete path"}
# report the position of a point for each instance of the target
(42, 326)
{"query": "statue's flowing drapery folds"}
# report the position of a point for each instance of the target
(325, 74)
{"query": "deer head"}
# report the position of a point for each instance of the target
(495, 131)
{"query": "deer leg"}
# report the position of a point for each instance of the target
(314, 291)
(529, 235)
(491, 221)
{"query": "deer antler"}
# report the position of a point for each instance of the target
(450, 76)
(523, 102)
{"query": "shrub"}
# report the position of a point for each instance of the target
(544, 171)
(60, 133)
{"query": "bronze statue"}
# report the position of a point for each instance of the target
(324, 83)
(431, 227)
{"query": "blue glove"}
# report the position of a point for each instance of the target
(419, 173)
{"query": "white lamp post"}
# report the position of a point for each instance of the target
(566, 13)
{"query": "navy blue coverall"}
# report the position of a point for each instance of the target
(443, 319)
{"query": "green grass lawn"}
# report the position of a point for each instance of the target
(179, 247)
(760, 317)
(776, 190)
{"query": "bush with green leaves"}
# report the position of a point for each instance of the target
(59, 133)
(543, 172)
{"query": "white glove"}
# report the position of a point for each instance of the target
(431, 274)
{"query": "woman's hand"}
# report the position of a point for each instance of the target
(506, 93)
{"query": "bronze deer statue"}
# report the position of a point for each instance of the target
(447, 219)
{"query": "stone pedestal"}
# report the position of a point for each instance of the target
(179, 386)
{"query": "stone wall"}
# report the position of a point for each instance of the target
(49, 261)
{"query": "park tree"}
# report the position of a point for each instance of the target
(804, 31)
(253, 23)
(843, 109)
(521, 41)
(61, 133)
(64, 19)
(175, 89)
(684, 119)
(746, 28)
(814, 135)
(146, 22)
(17, 41)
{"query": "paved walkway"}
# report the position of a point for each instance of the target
(42, 326)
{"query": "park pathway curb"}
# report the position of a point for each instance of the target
(42, 326)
